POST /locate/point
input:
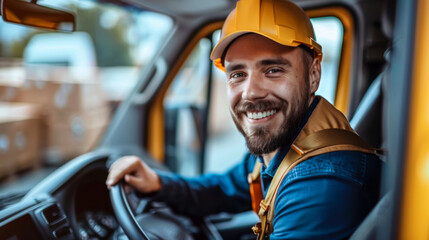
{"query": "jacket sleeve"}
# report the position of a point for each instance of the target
(320, 208)
(208, 193)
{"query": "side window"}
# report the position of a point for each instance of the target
(329, 34)
(225, 144)
(201, 136)
(185, 108)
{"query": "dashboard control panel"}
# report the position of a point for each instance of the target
(40, 220)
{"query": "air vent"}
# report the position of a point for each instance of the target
(62, 232)
(52, 214)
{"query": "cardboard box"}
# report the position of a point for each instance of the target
(63, 96)
(27, 143)
(9, 93)
(6, 155)
(48, 72)
(70, 134)
(20, 136)
(75, 109)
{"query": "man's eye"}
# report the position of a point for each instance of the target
(237, 75)
(273, 70)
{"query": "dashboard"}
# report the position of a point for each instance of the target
(74, 203)
(71, 203)
(50, 216)
(96, 225)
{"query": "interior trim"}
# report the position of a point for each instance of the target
(414, 218)
(346, 61)
(156, 109)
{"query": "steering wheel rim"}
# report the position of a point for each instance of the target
(124, 214)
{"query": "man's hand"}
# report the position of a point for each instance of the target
(135, 173)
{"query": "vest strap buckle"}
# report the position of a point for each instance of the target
(263, 210)
(257, 228)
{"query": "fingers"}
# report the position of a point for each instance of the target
(135, 173)
(120, 167)
(127, 188)
(132, 180)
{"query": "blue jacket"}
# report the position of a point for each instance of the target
(324, 197)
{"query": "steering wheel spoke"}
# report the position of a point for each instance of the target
(124, 214)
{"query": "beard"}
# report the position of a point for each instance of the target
(262, 140)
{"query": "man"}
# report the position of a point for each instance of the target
(319, 190)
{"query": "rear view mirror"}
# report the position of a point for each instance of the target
(31, 14)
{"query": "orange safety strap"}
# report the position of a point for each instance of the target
(254, 180)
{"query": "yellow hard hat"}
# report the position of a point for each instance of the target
(279, 20)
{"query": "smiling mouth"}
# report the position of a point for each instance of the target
(260, 115)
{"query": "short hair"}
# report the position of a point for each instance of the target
(308, 55)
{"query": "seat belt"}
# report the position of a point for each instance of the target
(317, 143)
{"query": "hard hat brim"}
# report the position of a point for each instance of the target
(219, 49)
(222, 45)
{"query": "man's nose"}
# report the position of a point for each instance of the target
(254, 88)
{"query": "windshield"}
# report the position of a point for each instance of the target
(58, 91)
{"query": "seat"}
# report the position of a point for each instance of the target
(367, 119)
(367, 122)
(367, 230)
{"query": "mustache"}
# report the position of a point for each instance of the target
(258, 106)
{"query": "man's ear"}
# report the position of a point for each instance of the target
(314, 74)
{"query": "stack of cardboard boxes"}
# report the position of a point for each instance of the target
(20, 137)
(59, 116)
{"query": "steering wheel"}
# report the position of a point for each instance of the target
(124, 214)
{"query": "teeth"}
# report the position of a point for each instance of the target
(259, 115)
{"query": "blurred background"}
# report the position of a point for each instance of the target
(58, 91)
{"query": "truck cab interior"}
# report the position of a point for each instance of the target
(167, 104)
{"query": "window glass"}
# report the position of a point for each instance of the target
(225, 144)
(329, 34)
(58, 91)
(185, 106)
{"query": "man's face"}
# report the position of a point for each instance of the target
(270, 87)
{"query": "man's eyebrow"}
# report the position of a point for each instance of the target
(233, 67)
(275, 61)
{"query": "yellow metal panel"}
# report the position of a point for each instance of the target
(414, 222)
(343, 84)
(156, 109)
